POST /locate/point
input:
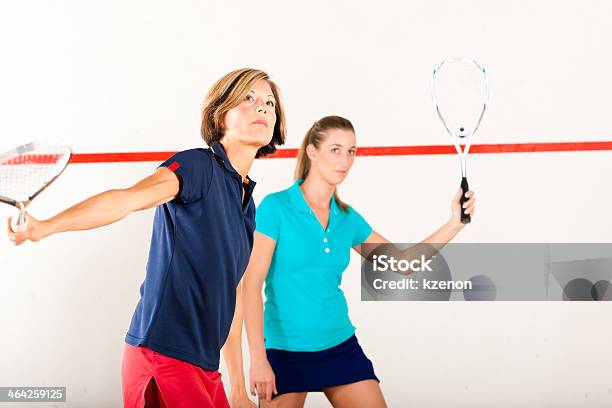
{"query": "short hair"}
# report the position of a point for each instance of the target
(227, 93)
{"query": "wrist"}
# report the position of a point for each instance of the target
(238, 389)
(47, 227)
(259, 356)
(454, 225)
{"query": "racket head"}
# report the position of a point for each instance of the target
(460, 93)
(27, 170)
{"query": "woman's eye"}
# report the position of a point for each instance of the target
(270, 103)
(249, 98)
(352, 152)
(335, 150)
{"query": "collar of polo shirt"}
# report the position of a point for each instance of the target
(299, 202)
(219, 152)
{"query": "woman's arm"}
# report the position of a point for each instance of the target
(432, 244)
(103, 209)
(261, 375)
(232, 354)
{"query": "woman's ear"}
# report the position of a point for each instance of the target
(311, 151)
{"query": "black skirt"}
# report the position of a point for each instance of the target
(300, 371)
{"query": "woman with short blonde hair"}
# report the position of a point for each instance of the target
(202, 238)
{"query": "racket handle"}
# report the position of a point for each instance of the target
(20, 223)
(465, 218)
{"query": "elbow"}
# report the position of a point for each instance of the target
(123, 203)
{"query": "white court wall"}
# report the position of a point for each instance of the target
(130, 76)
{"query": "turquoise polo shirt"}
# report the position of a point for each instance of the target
(305, 309)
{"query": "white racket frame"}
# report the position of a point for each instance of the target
(456, 138)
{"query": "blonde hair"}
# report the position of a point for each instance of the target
(227, 93)
(315, 136)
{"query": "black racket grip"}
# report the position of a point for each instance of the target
(465, 218)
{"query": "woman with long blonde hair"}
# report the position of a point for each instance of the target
(303, 339)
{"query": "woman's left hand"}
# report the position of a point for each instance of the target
(468, 205)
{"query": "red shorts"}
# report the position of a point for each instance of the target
(154, 380)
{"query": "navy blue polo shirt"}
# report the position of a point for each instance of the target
(200, 249)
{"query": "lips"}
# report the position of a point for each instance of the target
(261, 122)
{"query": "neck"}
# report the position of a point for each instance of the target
(317, 191)
(240, 156)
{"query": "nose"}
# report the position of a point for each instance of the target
(346, 159)
(261, 108)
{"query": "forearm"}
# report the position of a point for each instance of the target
(232, 349)
(428, 248)
(254, 322)
(444, 234)
(232, 354)
(99, 210)
(431, 245)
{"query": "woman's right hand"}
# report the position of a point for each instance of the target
(262, 379)
(36, 231)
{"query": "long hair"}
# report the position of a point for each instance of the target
(315, 136)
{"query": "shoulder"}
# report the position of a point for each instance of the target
(191, 156)
(276, 200)
(270, 213)
(353, 215)
(194, 154)
(352, 212)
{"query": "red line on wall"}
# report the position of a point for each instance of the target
(370, 151)
(119, 157)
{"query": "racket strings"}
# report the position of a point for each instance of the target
(24, 175)
(41, 158)
(460, 92)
